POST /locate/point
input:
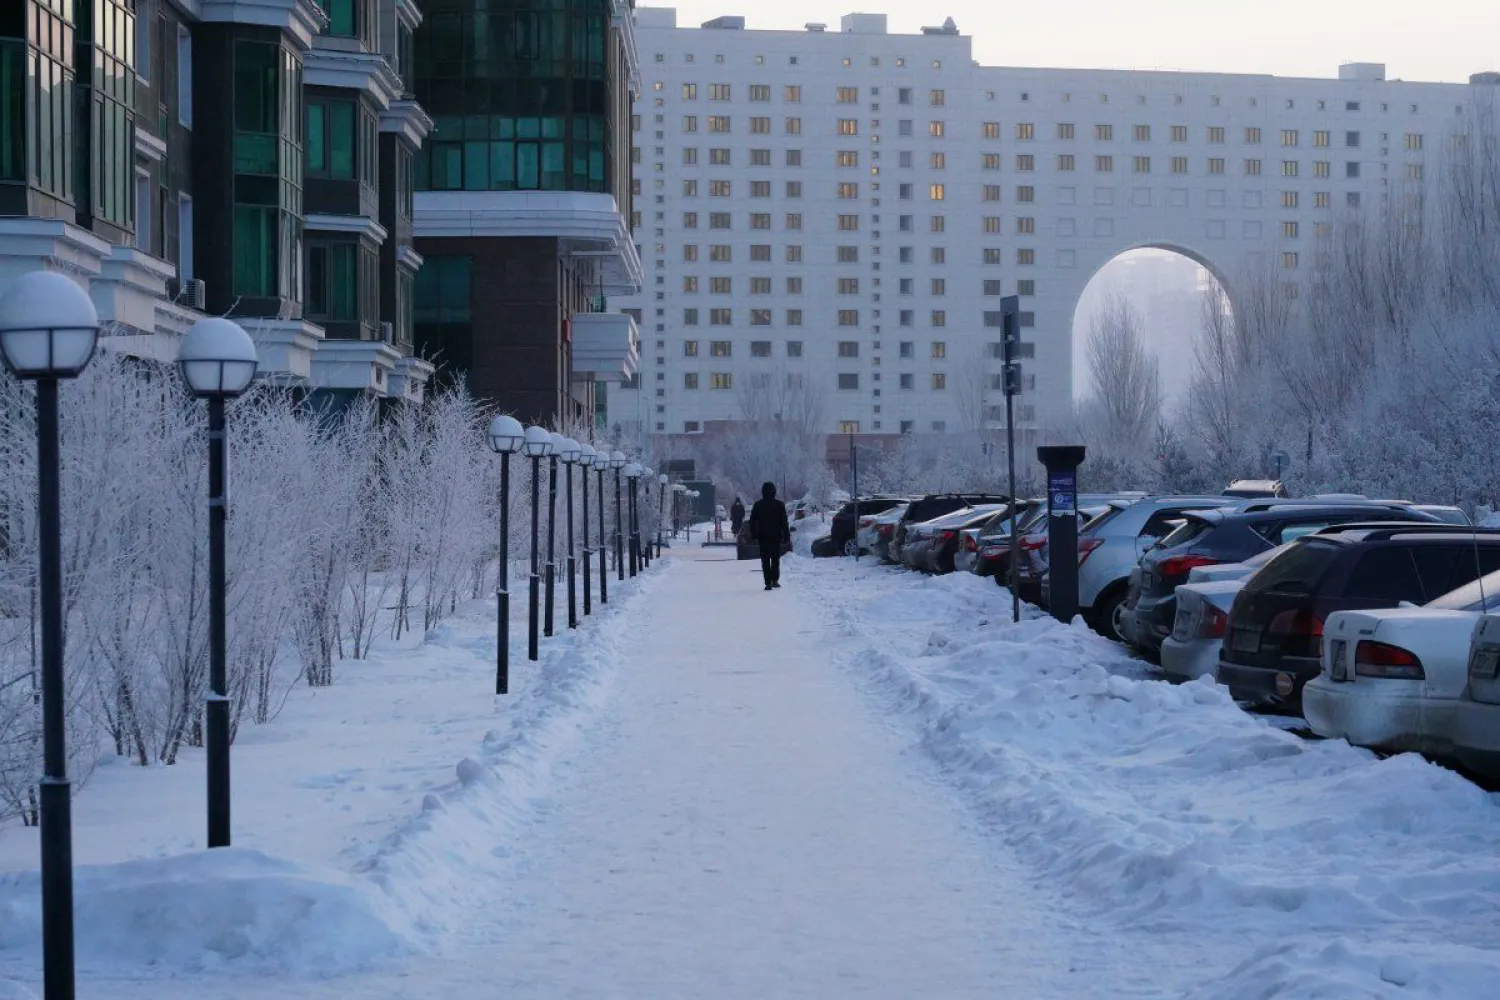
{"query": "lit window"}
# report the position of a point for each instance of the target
(936, 192)
(1026, 131)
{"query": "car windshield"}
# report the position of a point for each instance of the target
(1482, 594)
(1296, 568)
(1190, 529)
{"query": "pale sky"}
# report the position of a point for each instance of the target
(1432, 40)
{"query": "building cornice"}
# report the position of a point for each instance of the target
(302, 19)
(409, 259)
(354, 364)
(361, 224)
(364, 71)
(149, 146)
(284, 346)
(587, 220)
(406, 117)
(409, 13)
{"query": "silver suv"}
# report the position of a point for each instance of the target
(1112, 545)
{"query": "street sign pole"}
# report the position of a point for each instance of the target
(1010, 323)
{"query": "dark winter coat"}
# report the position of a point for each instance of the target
(736, 516)
(768, 521)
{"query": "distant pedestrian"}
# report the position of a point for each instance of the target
(737, 517)
(771, 530)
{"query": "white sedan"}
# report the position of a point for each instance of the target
(1476, 718)
(1203, 605)
(1192, 650)
(1392, 678)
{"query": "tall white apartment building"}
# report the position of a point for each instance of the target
(846, 208)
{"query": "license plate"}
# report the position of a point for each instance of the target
(1245, 641)
(1486, 663)
(1185, 625)
(1337, 668)
(1146, 580)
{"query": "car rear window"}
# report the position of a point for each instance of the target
(1444, 568)
(1387, 574)
(1298, 569)
(1482, 594)
(1192, 528)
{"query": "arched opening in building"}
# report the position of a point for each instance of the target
(1164, 298)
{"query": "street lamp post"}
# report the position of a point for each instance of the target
(48, 331)
(558, 445)
(217, 360)
(570, 458)
(602, 462)
(643, 551)
(632, 474)
(506, 436)
(536, 445)
(617, 462)
(586, 457)
(677, 495)
(661, 515)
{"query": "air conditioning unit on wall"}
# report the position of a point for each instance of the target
(191, 293)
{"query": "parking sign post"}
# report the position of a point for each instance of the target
(1062, 463)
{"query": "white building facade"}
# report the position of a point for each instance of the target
(846, 208)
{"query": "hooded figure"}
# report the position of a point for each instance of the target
(737, 517)
(769, 528)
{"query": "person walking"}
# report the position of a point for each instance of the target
(770, 529)
(737, 517)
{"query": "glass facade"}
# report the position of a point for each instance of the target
(520, 94)
(41, 97)
(12, 110)
(267, 221)
(108, 179)
(441, 310)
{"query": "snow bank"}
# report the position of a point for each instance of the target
(211, 909)
(463, 830)
(1164, 806)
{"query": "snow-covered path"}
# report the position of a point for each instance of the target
(741, 822)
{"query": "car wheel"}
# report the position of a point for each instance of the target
(1107, 620)
(851, 547)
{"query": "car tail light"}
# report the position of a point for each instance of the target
(885, 530)
(1032, 544)
(1215, 623)
(865, 522)
(969, 544)
(1378, 659)
(946, 536)
(1301, 632)
(1297, 623)
(1086, 547)
(1180, 565)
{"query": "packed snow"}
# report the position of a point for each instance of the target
(869, 783)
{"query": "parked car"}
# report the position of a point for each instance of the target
(1031, 572)
(1444, 513)
(1203, 604)
(1255, 488)
(882, 529)
(930, 547)
(1228, 535)
(992, 557)
(1110, 546)
(1476, 717)
(930, 506)
(845, 524)
(1392, 678)
(1274, 645)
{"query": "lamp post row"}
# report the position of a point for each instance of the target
(49, 331)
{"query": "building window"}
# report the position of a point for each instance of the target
(848, 426)
(719, 91)
(1289, 168)
(936, 129)
(442, 296)
(1026, 131)
(720, 348)
(760, 348)
(1104, 164)
(1025, 163)
(266, 222)
(721, 317)
(1104, 133)
(1065, 161)
(1216, 134)
(1179, 164)
(992, 161)
(690, 380)
(939, 381)
(1065, 130)
(1289, 230)
(333, 282)
(848, 382)
(720, 380)
(1141, 164)
(760, 317)
(1179, 133)
(1143, 133)
(1252, 168)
